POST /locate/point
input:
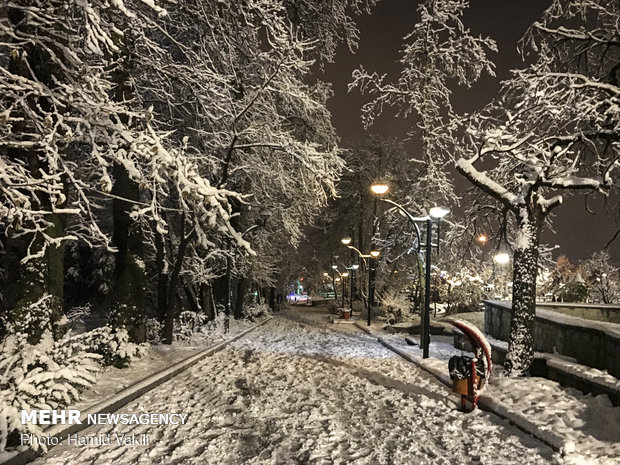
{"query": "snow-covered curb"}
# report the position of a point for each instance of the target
(485, 402)
(25, 455)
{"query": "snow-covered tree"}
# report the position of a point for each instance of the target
(554, 131)
(66, 128)
(602, 277)
(439, 52)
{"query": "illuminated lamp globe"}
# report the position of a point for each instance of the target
(375, 253)
(438, 212)
(379, 188)
(346, 240)
(501, 258)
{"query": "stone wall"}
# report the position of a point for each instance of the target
(597, 312)
(592, 343)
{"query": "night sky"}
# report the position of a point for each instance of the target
(578, 233)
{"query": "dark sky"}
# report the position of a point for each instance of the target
(579, 234)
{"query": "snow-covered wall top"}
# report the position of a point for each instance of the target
(591, 343)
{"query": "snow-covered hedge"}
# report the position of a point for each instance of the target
(52, 374)
(188, 324)
(111, 344)
(256, 310)
(46, 375)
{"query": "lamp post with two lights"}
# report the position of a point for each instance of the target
(434, 217)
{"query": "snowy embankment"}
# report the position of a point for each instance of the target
(113, 387)
(298, 390)
(584, 427)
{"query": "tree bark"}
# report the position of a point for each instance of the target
(129, 286)
(162, 277)
(525, 262)
(172, 309)
(242, 287)
(206, 301)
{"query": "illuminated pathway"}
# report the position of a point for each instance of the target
(300, 391)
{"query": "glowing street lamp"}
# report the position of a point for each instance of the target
(434, 216)
(379, 188)
(501, 258)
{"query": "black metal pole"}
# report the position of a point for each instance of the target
(228, 287)
(351, 286)
(371, 286)
(342, 278)
(426, 339)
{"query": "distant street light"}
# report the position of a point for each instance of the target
(371, 273)
(501, 258)
(343, 276)
(434, 217)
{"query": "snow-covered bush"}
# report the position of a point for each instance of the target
(37, 318)
(111, 344)
(46, 375)
(395, 305)
(254, 310)
(189, 323)
(153, 331)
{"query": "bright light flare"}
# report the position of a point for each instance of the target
(379, 188)
(438, 212)
(501, 258)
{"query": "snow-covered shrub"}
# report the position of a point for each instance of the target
(75, 316)
(395, 305)
(36, 318)
(153, 331)
(130, 318)
(111, 344)
(46, 375)
(189, 323)
(255, 310)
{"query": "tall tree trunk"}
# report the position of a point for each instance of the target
(192, 298)
(27, 283)
(162, 277)
(206, 301)
(172, 309)
(129, 286)
(525, 262)
(242, 288)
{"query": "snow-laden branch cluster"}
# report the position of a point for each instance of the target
(556, 126)
(439, 51)
(66, 121)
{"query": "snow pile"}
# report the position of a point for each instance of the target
(46, 375)
(53, 374)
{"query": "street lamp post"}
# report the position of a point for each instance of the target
(434, 217)
(354, 268)
(372, 256)
(372, 263)
(343, 276)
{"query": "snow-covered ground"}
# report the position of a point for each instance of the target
(300, 390)
(586, 427)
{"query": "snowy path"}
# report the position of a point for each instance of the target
(298, 390)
